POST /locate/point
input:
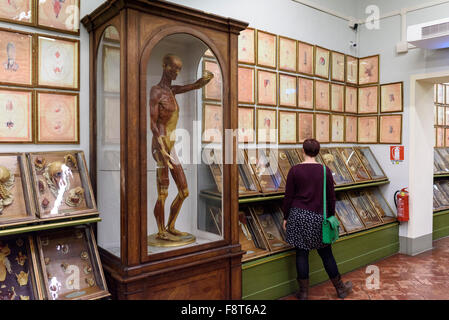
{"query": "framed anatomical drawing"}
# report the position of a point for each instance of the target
(369, 70)
(338, 128)
(17, 11)
(322, 95)
(391, 97)
(266, 49)
(247, 46)
(266, 126)
(367, 129)
(58, 63)
(306, 58)
(212, 123)
(212, 91)
(246, 85)
(446, 117)
(351, 99)
(71, 264)
(322, 127)
(441, 111)
(364, 208)
(350, 129)
(306, 126)
(337, 66)
(352, 70)
(16, 116)
(440, 93)
(59, 15)
(61, 183)
(322, 62)
(57, 117)
(440, 137)
(16, 58)
(16, 204)
(287, 91)
(390, 129)
(287, 127)
(266, 88)
(347, 214)
(19, 273)
(337, 97)
(446, 94)
(305, 93)
(287, 54)
(246, 125)
(446, 137)
(355, 166)
(368, 100)
(111, 61)
(370, 163)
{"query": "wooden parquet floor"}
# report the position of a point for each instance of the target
(401, 277)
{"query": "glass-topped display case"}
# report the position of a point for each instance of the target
(163, 100)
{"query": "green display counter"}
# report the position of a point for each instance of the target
(274, 277)
(440, 225)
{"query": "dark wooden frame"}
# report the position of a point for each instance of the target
(36, 8)
(275, 50)
(279, 54)
(401, 131)
(315, 62)
(279, 90)
(255, 50)
(135, 275)
(332, 66)
(402, 96)
(313, 58)
(378, 68)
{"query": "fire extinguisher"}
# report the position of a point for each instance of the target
(401, 202)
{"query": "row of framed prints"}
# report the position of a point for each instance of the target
(56, 15)
(267, 88)
(59, 264)
(441, 94)
(36, 60)
(291, 127)
(43, 117)
(442, 136)
(265, 170)
(36, 187)
(440, 195)
(441, 161)
(268, 50)
(261, 225)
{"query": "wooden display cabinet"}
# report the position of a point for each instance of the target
(122, 168)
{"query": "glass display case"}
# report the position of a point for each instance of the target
(163, 95)
(265, 171)
(364, 208)
(250, 236)
(61, 184)
(347, 214)
(442, 164)
(381, 206)
(355, 166)
(370, 163)
(333, 160)
(16, 204)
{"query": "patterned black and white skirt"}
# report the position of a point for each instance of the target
(305, 229)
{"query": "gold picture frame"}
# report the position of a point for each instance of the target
(269, 117)
(322, 95)
(322, 62)
(247, 46)
(213, 91)
(352, 70)
(337, 97)
(287, 54)
(369, 70)
(351, 99)
(288, 94)
(266, 49)
(306, 126)
(306, 58)
(212, 123)
(338, 66)
(246, 85)
(390, 129)
(322, 129)
(60, 16)
(306, 93)
(287, 127)
(267, 92)
(392, 97)
(367, 128)
(368, 100)
(351, 131)
(337, 128)
(243, 126)
(23, 14)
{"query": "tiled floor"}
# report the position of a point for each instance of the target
(423, 277)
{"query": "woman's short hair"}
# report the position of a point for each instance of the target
(311, 147)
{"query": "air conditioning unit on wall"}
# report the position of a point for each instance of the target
(430, 35)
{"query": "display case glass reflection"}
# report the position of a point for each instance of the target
(370, 163)
(245, 175)
(269, 223)
(214, 220)
(61, 183)
(250, 236)
(16, 204)
(440, 196)
(70, 264)
(347, 214)
(358, 172)
(269, 180)
(440, 162)
(333, 160)
(381, 206)
(19, 276)
(364, 208)
(287, 159)
(213, 158)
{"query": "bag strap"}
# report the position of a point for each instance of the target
(324, 194)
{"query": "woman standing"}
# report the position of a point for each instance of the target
(303, 218)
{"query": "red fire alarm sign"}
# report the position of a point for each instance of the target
(397, 154)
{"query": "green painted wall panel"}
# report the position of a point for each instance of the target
(274, 277)
(440, 226)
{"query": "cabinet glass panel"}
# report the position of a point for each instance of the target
(250, 236)
(370, 163)
(381, 206)
(265, 171)
(347, 214)
(108, 141)
(440, 162)
(335, 163)
(440, 196)
(364, 208)
(247, 183)
(184, 121)
(358, 172)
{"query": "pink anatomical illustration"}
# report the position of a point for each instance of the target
(305, 126)
(60, 14)
(246, 46)
(368, 100)
(266, 126)
(287, 54)
(305, 58)
(305, 93)
(369, 70)
(368, 130)
(322, 95)
(391, 97)
(16, 58)
(267, 88)
(18, 10)
(390, 129)
(266, 50)
(351, 132)
(246, 85)
(246, 125)
(15, 116)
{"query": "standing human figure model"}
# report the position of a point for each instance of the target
(164, 115)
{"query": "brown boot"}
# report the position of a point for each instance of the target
(303, 292)
(343, 289)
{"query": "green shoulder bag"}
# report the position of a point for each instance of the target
(331, 224)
